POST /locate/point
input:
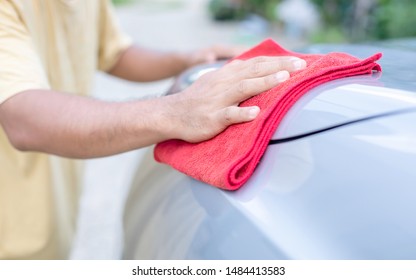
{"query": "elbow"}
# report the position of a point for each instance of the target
(20, 141)
(19, 134)
(17, 124)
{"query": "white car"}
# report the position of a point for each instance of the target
(338, 180)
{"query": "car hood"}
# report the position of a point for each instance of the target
(342, 102)
(355, 98)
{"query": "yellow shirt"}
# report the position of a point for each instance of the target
(47, 44)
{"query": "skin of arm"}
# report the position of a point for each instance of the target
(78, 127)
(144, 65)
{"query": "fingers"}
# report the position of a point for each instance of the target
(245, 79)
(234, 114)
(263, 66)
(245, 89)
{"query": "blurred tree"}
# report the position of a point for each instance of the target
(361, 20)
(333, 10)
(227, 9)
(265, 8)
(352, 20)
(395, 19)
(238, 9)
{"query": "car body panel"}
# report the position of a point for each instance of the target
(360, 209)
(339, 102)
(342, 193)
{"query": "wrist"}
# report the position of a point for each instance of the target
(164, 118)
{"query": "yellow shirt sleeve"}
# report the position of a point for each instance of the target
(112, 41)
(20, 65)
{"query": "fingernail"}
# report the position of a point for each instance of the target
(282, 76)
(253, 112)
(299, 64)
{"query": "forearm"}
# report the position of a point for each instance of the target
(78, 127)
(143, 65)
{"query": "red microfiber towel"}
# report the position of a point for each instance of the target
(228, 160)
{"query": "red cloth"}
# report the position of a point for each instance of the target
(228, 160)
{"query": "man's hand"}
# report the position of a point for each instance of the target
(211, 104)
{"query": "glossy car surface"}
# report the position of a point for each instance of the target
(339, 182)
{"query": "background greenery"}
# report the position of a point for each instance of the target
(121, 2)
(382, 19)
(343, 20)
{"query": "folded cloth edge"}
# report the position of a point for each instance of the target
(234, 181)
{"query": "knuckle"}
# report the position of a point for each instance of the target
(264, 83)
(287, 64)
(259, 59)
(256, 69)
(228, 116)
(268, 81)
(280, 64)
(243, 87)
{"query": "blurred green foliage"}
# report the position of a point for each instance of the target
(226, 10)
(265, 8)
(238, 9)
(395, 19)
(359, 20)
(121, 2)
(343, 20)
